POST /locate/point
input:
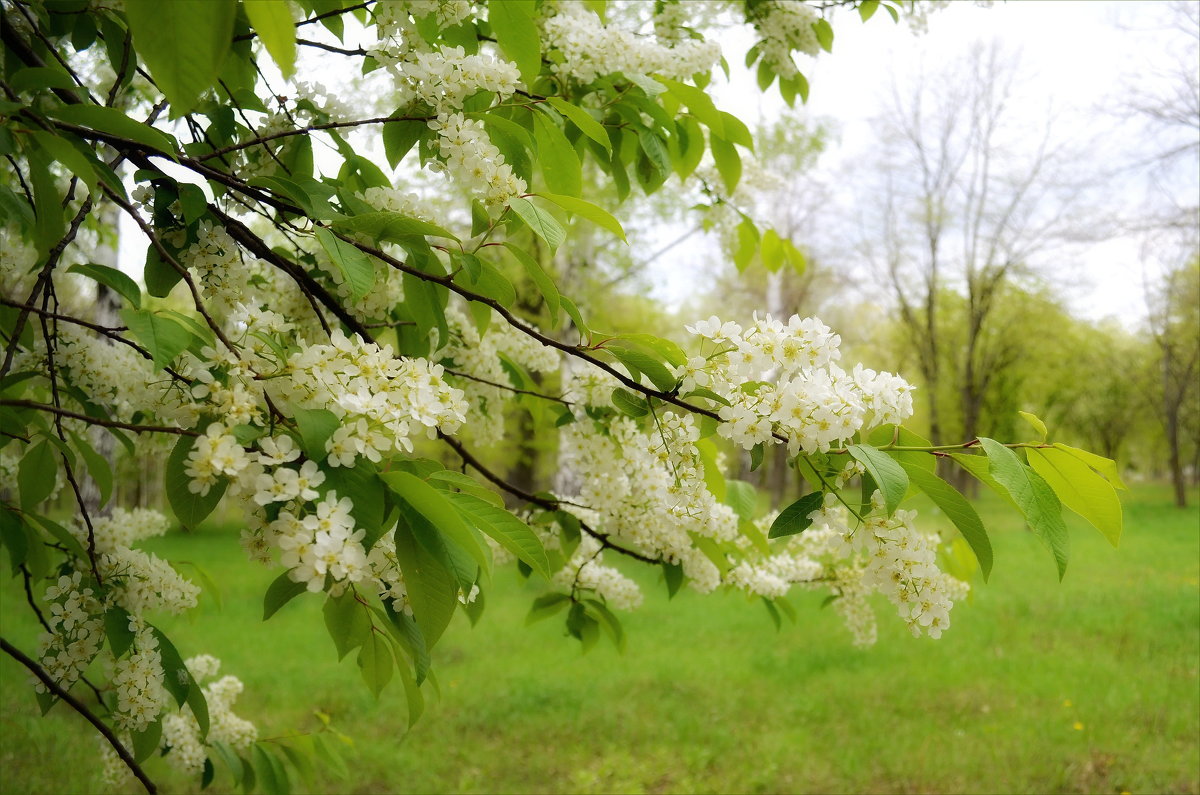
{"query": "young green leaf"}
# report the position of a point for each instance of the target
(890, 478)
(543, 224)
(591, 212)
(957, 510)
(560, 165)
(637, 361)
(191, 508)
(794, 518)
(347, 621)
(113, 122)
(37, 474)
(282, 590)
(354, 265)
(742, 498)
(1081, 489)
(1033, 496)
(390, 227)
(315, 426)
(583, 120)
(540, 279)
(517, 34)
(375, 662)
(504, 528)
(432, 589)
(272, 21)
(729, 162)
(183, 43)
(434, 506)
(163, 337)
(112, 278)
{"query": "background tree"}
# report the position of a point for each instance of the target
(966, 206)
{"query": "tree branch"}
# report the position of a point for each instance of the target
(78, 706)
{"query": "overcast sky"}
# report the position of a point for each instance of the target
(1080, 58)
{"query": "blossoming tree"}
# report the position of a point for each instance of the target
(319, 352)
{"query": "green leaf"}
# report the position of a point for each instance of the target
(546, 606)
(375, 663)
(354, 265)
(742, 498)
(1081, 489)
(1105, 466)
(673, 575)
(1036, 422)
(629, 403)
(60, 534)
(49, 224)
(147, 741)
(365, 491)
(543, 224)
(115, 123)
(868, 9)
(506, 529)
(112, 278)
(390, 227)
(71, 158)
(190, 508)
(699, 104)
(539, 277)
(576, 317)
(656, 150)
(434, 506)
(889, 476)
(408, 634)
(771, 250)
(38, 78)
(591, 212)
(37, 474)
(432, 590)
(281, 591)
(183, 43)
(315, 427)
(560, 165)
(824, 33)
(729, 162)
(609, 622)
(957, 510)
(794, 518)
(347, 621)
(583, 120)
(116, 628)
(1033, 496)
(747, 244)
(97, 467)
(399, 137)
(644, 363)
(517, 34)
(272, 21)
(163, 337)
(176, 678)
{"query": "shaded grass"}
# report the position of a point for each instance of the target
(1090, 685)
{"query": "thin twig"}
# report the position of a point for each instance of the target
(78, 706)
(29, 404)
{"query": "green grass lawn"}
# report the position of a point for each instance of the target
(1090, 685)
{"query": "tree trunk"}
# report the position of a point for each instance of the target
(1176, 461)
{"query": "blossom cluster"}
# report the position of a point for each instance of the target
(882, 554)
(477, 356)
(786, 26)
(783, 379)
(591, 49)
(441, 81)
